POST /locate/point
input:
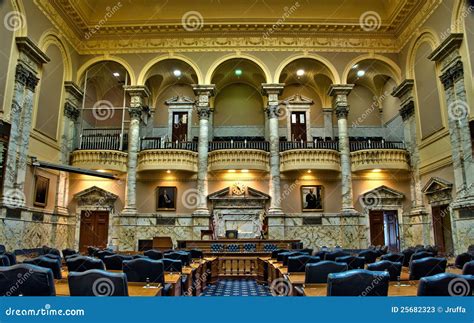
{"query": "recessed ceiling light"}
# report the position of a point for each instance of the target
(177, 73)
(244, 170)
(231, 170)
(101, 171)
(360, 73)
(376, 170)
(238, 72)
(309, 171)
(300, 72)
(168, 171)
(355, 66)
(116, 74)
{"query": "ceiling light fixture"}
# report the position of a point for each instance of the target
(300, 72)
(168, 171)
(376, 170)
(238, 72)
(177, 73)
(244, 170)
(232, 171)
(360, 73)
(116, 74)
(309, 171)
(101, 171)
(355, 66)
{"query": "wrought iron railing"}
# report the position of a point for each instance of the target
(257, 145)
(103, 139)
(149, 143)
(290, 145)
(382, 144)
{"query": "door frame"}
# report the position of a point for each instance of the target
(298, 103)
(305, 113)
(91, 212)
(180, 104)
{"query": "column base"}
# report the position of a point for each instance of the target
(350, 212)
(419, 210)
(275, 212)
(128, 211)
(202, 213)
(61, 210)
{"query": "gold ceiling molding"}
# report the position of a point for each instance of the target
(323, 36)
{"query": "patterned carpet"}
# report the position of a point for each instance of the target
(234, 287)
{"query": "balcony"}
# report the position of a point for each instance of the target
(319, 155)
(112, 160)
(103, 139)
(367, 155)
(245, 154)
(157, 154)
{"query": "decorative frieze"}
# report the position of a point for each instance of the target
(395, 159)
(164, 159)
(100, 159)
(239, 159)
(304, 159)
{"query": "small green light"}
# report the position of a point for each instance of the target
(238, 72)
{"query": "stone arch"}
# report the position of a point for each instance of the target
(335, 75)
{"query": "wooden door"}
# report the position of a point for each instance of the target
(298, 126)
(439, 213)
(94, 229)
(180, 126)
(391, 231)
(377, 237)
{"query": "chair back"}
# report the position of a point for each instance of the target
(153, 254)
(184, 256)
(2, 249)
(428, 266)
(45, 262)
(143, 270)
(26, 280)
(394, 257)
(317, 273)
(102, 253)
(276, 252)
(407, 253)
(69, 252)
(97, 283)
(359, 282)
(12, 257)
(286, 255)
(468, 268)
(114, 262)
(196, 254)
(393, 268)
(421, 255)
(81, 264)
(446, 284)
(4, 261)
(462, 259)
(335, 254)
(298, 263)
(352, 262)
(370, 256)
(172, 265)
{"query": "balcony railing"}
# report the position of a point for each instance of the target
(291, 145)
(103, 139)
(365, 145)
(223, 145)
(150, 143)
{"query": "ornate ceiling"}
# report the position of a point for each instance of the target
(172, 25)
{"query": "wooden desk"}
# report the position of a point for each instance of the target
(393, 289)
(134, 289)
(175, 280)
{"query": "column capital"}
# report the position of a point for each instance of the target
(340, 89)
(450, 45)
(31, 54)
(274, 111)
(451, 73)
(32, 82)
(204, 112)
(404, 89)
(21, 74)
(71, 111)
(204, 89)
(407, 109)
(272, 88)
(73, 90)
(137, 91)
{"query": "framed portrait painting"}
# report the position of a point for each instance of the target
(312, 198)
(166, 198)
(41, 191)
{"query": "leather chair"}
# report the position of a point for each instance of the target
(69, 252)
(321, 254)
(35, 281)
(4, 261)
(81, 264)
(298, 264)
(3, 249)
(92, 251)
(393, 268)
(407, 256)
(153, 254)
(196, 254)
(114, 262)
(335, 254)
(421, 255)
(51, 251)
(468, 268)
(446, 284)
(276, 252)
(102, 253)
(185, 257)
(429, 266)
(370, 256)
(53, 256)
(12, 257)
(172, 265)
(45, 262)
(352, 262)
(285, 255)
(140, 257)
(143, 270)
(461, 259)
(359, 282)
(394, 257)
(97, 283)
(317, 273)
(307, 251)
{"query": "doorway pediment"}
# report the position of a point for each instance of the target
(95, 196)
(238, 196)
(381, 196)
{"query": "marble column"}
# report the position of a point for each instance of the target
(328, 127)
(340, 94)
(203, 93)
(138, 94)
(21, 77)
(273, 91)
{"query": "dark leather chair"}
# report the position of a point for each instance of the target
(140, 257)
(394, 257)
(407, 256)
(429, 266)
(45, 262)
(92, 251)
(4, 261)
(290, 254)
(81, 264)
(3, 249)
(69, 252)
(196, 254)
(12, 257)
(307, 251)
(172, 265)
(281, 256)
(331, 256)
(370, 256)
(461, 259)
(321, 254)
(421, 255)
(153, 254)
(317, 273)
(26, 280)
(298, 264)
(359, 282)
(393, 268)
(114, 262)
(276, 252)
(446, 284)
(53, 256)
(102, 253)
(468, 268)
(51, 251)
(352, 262)
(143, 270)
(185, 257)
(97, 283)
